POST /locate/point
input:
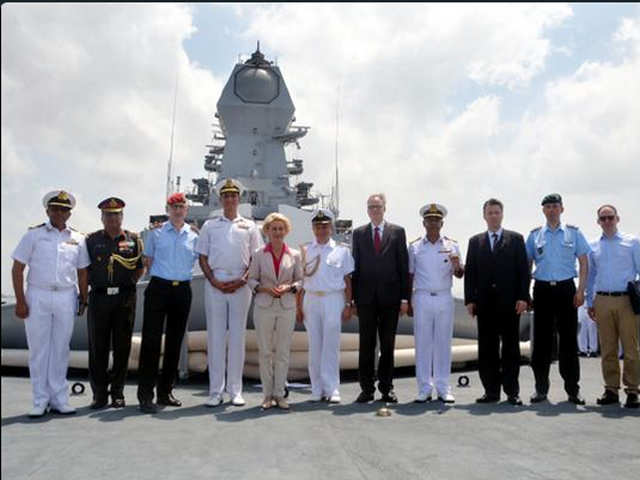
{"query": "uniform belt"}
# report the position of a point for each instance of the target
(612, 294)
(112, 290)
(322, 293)
(54, 288)
(434, 294)
(173, 283)
(555, 283)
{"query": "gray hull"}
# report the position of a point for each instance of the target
(13, 334)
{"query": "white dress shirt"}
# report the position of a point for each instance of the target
(335, 263)
(53, 256)
(430, 263)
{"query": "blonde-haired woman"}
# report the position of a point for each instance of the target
(275, 274)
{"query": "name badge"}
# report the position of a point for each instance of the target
(72, 242)
(243, 227)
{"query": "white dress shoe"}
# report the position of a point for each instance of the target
(213, 401)
(316, 398)
(65, 409)
(447, 398)
(423, 397)
(238, 401)
(36, 412)
(335, 399)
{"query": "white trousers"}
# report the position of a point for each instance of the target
(49, 327)
(588, 335)
(433, 330)
(322, 319)
(226, 312)
(274, 328)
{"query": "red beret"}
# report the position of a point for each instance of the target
(176, 198)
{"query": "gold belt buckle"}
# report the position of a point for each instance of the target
(175, 283)
(113, 290)
(553, 284)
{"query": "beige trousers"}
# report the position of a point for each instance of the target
(274, 329)
(616, 321)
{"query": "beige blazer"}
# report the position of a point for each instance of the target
(263, 273)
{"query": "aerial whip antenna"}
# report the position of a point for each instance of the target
(173, 127)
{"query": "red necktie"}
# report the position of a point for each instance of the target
(376, 240)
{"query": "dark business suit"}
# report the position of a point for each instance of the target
(494, 281)
(380, 281)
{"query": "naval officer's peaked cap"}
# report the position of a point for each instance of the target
(433, 210)
(322, 215)
(229, 185)
(552, 198)
(59, 198)
(111, 205)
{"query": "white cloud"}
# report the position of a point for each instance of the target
(87, 93)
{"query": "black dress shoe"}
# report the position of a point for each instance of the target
(389, 397)
(538, 397)
(486, 398)
(608, 398)
(632, 401)
(576, 399)
(98, 403)
(118, 403)
(514, 400)
(169, 400)
(364, 397)
(147, 406)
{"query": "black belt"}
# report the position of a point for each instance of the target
(172, 283)
(612, 294)
(113, 290)
(554, 283)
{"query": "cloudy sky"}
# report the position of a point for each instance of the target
(446, 103)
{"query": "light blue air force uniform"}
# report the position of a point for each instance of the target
(555, 251)
(173, 251)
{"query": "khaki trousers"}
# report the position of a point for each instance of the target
(616, 321)
(274, 329)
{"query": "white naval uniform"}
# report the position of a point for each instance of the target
(588, 334)
(53, 257)
(324, 302)
(433, 311)
(228, 245)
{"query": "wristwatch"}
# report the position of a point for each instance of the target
(294, 289)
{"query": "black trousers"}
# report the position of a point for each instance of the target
(162, 301)
(381, 321)
(110, 321)
(553, 308)
(498, 366)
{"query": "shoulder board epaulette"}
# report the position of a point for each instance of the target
(414, 241)
(450, 239)
(194, 229)
(131, 234)
(343, 244)
(572, 226)
(77, 231)
(305, 244)
(535, 229)
(37, 226)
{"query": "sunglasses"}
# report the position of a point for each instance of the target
(603, 218)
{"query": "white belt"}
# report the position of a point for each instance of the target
(53, 288)
(322, 293)
(225, 275)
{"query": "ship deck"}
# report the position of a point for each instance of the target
(554, 440)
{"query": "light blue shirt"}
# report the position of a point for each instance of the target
(555, 251)
(173, 252)
(613, 263)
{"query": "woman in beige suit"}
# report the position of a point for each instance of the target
(275, 274)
